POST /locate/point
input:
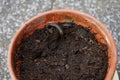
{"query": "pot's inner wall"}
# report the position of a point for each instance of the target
(41, 21)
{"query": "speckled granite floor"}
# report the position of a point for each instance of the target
(13, 13)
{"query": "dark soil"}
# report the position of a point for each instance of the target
(77, 55)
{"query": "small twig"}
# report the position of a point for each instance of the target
(56, 26)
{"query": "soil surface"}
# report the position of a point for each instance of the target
(75, 55)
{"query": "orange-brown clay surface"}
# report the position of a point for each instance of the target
(39, 21)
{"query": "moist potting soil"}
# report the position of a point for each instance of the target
(69, 53)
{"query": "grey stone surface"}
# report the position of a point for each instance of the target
(14, 13)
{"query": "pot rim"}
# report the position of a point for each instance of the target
(109, 75)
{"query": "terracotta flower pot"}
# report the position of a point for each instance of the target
(55, 16)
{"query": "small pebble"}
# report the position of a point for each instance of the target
(35, 60)
(91, 41)
(66, 66)
(38, 41)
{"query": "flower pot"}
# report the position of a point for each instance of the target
(56, 16)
